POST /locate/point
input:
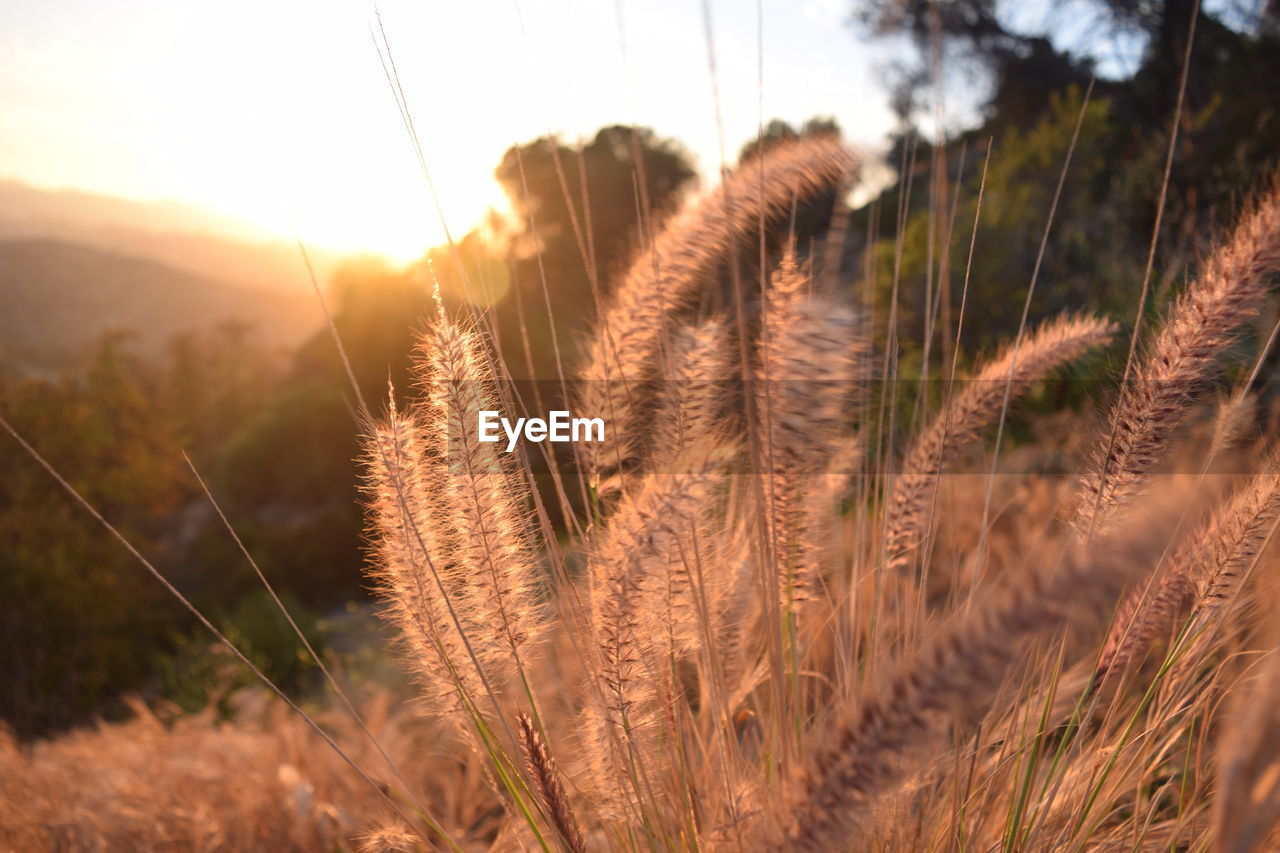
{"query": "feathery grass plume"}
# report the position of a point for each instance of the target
(823, 505)
(735, 604)
(1199, 328)
(693, 407)
(1246, 806)
(410, 564)
(970, 412)
(490, 540)
(549, 785)
(452, 547)
(1204, 572)
(642, 614)
(389, 839)
(1235, 415)
(865, 749)
(666, 278)
(808, 353)
(1142, 619)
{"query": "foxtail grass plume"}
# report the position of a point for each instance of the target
(977, 405)
(666, 279)
(1199, 328)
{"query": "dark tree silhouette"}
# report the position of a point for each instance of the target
(1025, 65)
(622, 179)
(1227, 141)
(777, 131)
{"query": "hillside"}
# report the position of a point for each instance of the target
(56, 297)
(182, 236)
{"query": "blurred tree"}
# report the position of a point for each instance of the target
(778, 131)
(289, 477)
(1228, 136)
(82, 619)
(90, 625)
(578, 214)
(212, 382)
(288, 472)
(622, 177)
(1090, 258)
(809, 221)
(971, 35)
(1025, 61)
(375, 310)
(201, 670)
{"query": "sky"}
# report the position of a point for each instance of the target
(279, 112)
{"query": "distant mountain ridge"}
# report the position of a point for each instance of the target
(182, 236)
(57, 297)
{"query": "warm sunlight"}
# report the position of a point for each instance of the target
(281, 114)
(810, 426)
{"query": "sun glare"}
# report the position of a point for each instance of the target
(283, 114)
(314, 144)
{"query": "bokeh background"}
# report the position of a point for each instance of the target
(404, 144)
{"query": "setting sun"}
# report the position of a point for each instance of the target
(282, 114)
(639, 426)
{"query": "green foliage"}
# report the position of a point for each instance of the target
(778, 131)
(209, 384)
(201, 670)
(89, 619)
(565, 234)
(289, 479)
(1085, 265)
(91, 624)
(1228, 136)
(543, 177)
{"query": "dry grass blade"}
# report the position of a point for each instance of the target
(408, 560)
(390, 839)
(865, 749)
(258, 780)
(1235, 416)
(1247, 804)
(693, 408)
(454, 557)
(642, 612)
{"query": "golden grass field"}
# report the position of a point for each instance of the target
(790, 612)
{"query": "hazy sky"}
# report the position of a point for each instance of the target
(278, 111)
